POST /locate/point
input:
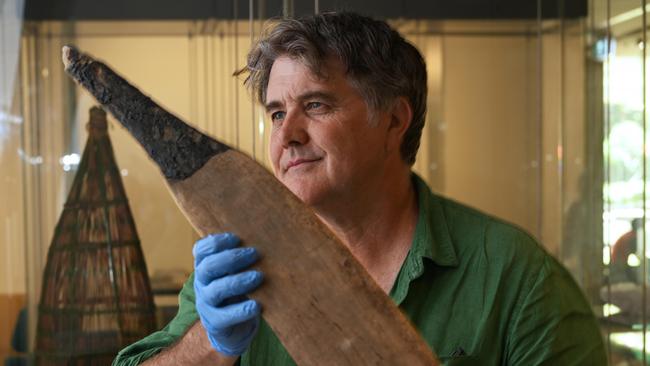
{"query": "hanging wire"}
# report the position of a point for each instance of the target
(214, 81)
(316, 6)
(251, 20)
(236, 86)
(5, 91)
(540, 116)
(33, 148)
(644, 269)
(229, 64)
(287, 8)
(214, 122)
(28, 133)
(4, 74)
(223, 52)
(263, 123)
(207, 101)
(36, 148)
(191, 49)
(48, 96)
(608, 204)
(561, 149)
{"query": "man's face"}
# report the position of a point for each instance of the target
(322, 146)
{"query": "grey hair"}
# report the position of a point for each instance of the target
(379, 62)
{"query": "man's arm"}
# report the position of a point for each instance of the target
(182, 342)
(193, 348)
(154, 343)
(215, 294)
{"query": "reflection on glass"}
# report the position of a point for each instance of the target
(564, 161)
(626, 185)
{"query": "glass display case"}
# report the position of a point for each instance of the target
(536, 115)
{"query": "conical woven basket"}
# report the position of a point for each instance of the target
(96, 297)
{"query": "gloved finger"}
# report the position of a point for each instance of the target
(213, 243)
(228, 316)
(229, 261)
(237, 338)
(222, 289)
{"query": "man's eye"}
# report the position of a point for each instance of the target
(314, 105)
(276, 116)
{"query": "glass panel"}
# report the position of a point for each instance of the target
(618, 41)
(558, 149)
(12, 252)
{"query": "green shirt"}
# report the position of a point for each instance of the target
(480, 291)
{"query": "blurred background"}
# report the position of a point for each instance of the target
(537, 115)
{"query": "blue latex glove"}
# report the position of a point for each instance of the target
(229, 318)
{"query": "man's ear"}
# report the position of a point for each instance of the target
(400, 119)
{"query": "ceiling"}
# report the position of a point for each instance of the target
(219, 9)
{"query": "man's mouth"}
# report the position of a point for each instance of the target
(298, 162)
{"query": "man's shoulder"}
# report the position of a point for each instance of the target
(505, 281)
(473, 230)
(498, 246)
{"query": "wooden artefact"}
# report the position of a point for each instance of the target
(96, 297)
(317, 298)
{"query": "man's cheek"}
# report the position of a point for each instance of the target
(275, 160)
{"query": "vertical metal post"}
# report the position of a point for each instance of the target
(608, 204)
(540, 121)
(644, 269)
(251, 30)
(287, 8)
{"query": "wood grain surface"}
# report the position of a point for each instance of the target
(322, 304)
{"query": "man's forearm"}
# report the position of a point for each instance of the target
(192, 349)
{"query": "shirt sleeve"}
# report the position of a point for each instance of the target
(553, 324)
(147, 347)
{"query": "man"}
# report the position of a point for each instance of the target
(626, 245)
(346, 95)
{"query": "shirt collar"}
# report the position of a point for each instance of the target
(431, 240)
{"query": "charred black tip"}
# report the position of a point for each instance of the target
(179, 149)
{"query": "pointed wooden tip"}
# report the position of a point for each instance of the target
(73, 59)
(97, 124)
(69, 55)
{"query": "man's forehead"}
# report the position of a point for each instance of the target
(293, 76)
(321, 72)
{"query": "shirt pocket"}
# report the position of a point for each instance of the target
(464, 360)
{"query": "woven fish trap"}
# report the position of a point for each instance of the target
(96, 296)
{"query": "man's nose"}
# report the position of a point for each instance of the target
(294, 130)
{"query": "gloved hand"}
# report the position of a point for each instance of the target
(229, 318)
